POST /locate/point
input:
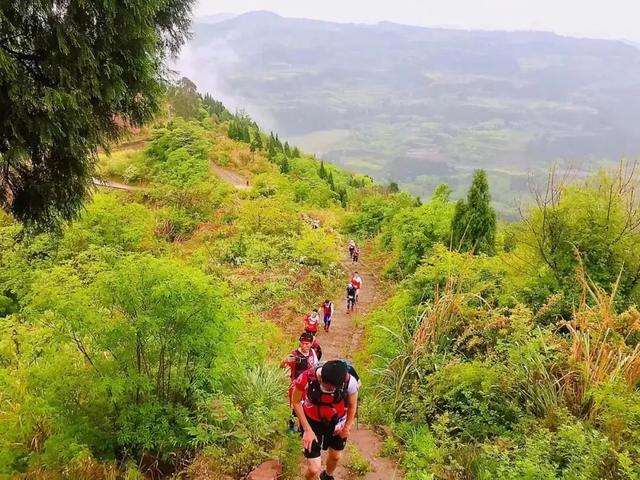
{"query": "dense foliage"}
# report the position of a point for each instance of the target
(71, 73)
(524, 364)
(138, 339)
(133, 339)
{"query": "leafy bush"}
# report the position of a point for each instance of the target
(572, 452)
(476, 397)
(107, 221)
(179, 153)
(317, 248)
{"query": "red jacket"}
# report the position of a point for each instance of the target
(310, 323)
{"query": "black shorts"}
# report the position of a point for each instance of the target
(326, 439)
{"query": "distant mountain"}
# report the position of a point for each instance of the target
(422, 105)
(216, 18)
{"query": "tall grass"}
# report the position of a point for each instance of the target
(421, 344)
(259, 385)
(600, 349)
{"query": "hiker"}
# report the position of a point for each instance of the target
(356, 281)
(299, 361)
(327, 314)
(351, 297)
(325, 399)
(356, 255)
(311, 322)
(352, 248)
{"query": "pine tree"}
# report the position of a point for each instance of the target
(284, 166)
(330, 181)
(70, 74)
(271, 151)
(245, 136)
(287, 149)
(322, 172)
(459, 225)
(258, 139)
(215, 107)
(474, 222)
(342, 196)
(232, 131)
(295, 152)
(482, 216)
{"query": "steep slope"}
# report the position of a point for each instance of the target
(419, 105)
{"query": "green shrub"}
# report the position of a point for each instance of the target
(476, 396)
(357, 465)
(317, 248)
(572, 452)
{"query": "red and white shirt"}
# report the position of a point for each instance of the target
(296, 367)
(311, 322)
(356, 281)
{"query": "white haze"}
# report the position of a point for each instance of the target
(612, 19)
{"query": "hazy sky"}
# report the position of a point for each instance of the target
(590, 18)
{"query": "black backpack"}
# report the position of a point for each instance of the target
(318, 398)
(351, 370)
(302, 363)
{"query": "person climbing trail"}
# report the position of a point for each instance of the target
(327, 314)
(352, 248)
(299, 361)
(356, 255)
(311, 322)
(351, 297)
(356, 281)
(325, 399)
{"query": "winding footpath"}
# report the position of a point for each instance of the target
(343, 340)
(116, 185)
(231, 177)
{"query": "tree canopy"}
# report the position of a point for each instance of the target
(71, 74)
(474, 221)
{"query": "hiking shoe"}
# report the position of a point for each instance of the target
(325, 476)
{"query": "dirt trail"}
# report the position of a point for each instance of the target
(116, 185)
(341, 342)
(230, 177)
